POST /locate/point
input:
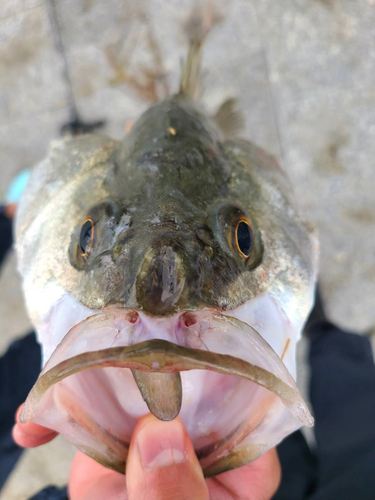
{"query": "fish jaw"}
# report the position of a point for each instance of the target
(238, 398)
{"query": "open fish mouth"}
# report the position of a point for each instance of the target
(232, 391)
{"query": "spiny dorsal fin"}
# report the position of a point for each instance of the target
(201, 20)
(230, 118)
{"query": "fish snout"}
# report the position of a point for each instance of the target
(161, 281)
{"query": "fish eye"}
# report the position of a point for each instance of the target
(244, 238)
(86, 237)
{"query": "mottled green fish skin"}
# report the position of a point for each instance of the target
(176, 187)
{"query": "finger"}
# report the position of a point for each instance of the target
(162, 464)
(30, 435)
(258, 480)
(10, 210)
(91, 481)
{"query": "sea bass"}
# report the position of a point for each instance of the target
(167, 273)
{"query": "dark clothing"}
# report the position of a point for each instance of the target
(299, 469)
(51, 493)
(19, 368)
(342, 393)
(5, 234)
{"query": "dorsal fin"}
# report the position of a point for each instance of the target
(230, 118)
(201, 20)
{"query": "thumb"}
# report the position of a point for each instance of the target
(162, 464)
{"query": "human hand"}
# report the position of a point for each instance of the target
(161, 465)
(10, 210)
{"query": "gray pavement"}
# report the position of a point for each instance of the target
(303, 72)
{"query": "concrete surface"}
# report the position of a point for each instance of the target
(303, 71)
(38, 468)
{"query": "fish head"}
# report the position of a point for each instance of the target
(184, 223)
(168, 273)
(166, 257)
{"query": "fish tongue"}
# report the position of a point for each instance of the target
(161, 391)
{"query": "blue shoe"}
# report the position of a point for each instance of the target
(17, 187)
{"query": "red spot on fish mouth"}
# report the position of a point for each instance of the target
(132, 316)
(188, 319)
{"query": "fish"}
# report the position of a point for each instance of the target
(169, 272)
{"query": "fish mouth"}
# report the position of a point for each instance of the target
(232, 391)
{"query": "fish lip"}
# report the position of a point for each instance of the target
(139, 341)
(162, 356)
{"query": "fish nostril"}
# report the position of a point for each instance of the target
(189, 319)
(132, 316)
(161, 281)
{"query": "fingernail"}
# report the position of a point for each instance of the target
(161, 443)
